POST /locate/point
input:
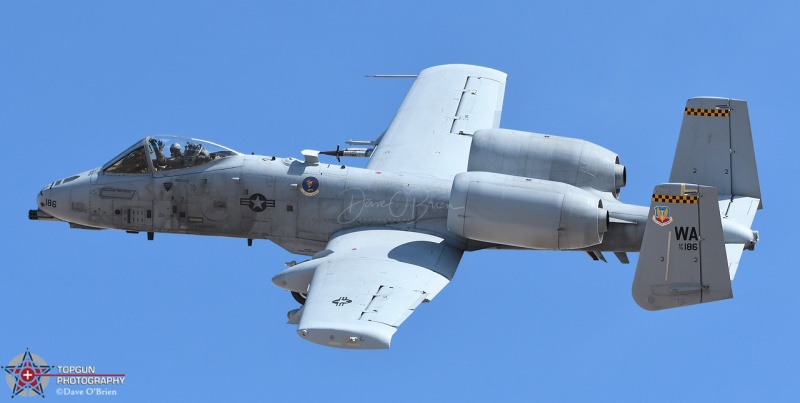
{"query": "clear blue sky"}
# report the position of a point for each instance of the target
(191, 318)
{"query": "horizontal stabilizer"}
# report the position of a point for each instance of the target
(682, 260)
(741, 211)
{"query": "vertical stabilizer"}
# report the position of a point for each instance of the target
(682, 260)
(715, 148)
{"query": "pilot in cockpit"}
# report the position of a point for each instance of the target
(174, 161)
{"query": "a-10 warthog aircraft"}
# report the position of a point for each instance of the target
(441, 180)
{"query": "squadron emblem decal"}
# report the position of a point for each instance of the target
(661, 215)
(309, 186)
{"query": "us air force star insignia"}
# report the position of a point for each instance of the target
(257, 202)
(309, 186)
(341, 301)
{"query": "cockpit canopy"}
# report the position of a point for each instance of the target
(163, 153)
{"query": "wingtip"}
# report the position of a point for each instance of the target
(370, 336)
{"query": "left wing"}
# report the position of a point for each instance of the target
(432, 130)
(368, 282)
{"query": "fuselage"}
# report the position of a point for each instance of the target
(262, 197)
(298, 205)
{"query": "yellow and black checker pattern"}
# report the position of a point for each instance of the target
(675, 199)
(706, 112)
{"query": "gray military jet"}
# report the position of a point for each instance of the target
(443, 179)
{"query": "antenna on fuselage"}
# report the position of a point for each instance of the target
(392, 76)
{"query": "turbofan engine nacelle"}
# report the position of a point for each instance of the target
(541, 156)
(525, 212)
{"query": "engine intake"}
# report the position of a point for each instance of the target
(525, 212)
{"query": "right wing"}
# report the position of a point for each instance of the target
(366, 283)
(432, 130)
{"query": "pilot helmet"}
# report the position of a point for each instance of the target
(175, 149)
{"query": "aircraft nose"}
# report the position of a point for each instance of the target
(54, 200)
(44, 199)
(41, 198)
